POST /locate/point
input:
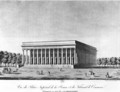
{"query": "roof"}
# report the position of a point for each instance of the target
(55, 43)
(49, 43)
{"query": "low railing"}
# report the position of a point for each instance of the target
(8, 65)
(108, 66)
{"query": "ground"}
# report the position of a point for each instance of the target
(58, 74)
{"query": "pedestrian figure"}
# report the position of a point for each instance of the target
(86, 75)
(38, 72)
(17, 67)
(41, 72)
(49, 72)
(92, 74)
(9, 70)
(108, 76)
(60, 69)
(5, 70)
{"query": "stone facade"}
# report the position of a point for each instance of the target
(51, 53)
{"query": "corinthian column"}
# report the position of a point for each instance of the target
(41, 56)
(26, 56)
(45, 56)
(74, 56)
(37, 56)
(53, 57)
(49, 56)
(66, 56)
(23, 57)
(30, 57)
(33, 57)
(58, 56)
(61, 55)
(70, 55)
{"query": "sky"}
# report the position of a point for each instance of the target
(96, 23)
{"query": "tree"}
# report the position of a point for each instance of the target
(119, 60)
(99, 61)
(112, 60)
(9, 58)
(105, 61)
(5, 57)
(14, 58)
(108, 60)
(18, 59)
(115, 61)
(1, 56)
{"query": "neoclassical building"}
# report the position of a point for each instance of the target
(69, 53)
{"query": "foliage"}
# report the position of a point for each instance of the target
(19, 58)
(108, 61)
(10, 58)
(14, 58)
(1, 56)
(5, 57)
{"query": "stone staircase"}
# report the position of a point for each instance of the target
(48, 66)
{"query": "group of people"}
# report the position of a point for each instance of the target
(108, 61)
(10, 59)
(92, 74)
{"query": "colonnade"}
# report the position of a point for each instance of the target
(49, 56)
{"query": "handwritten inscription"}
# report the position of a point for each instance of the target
(60, 86)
